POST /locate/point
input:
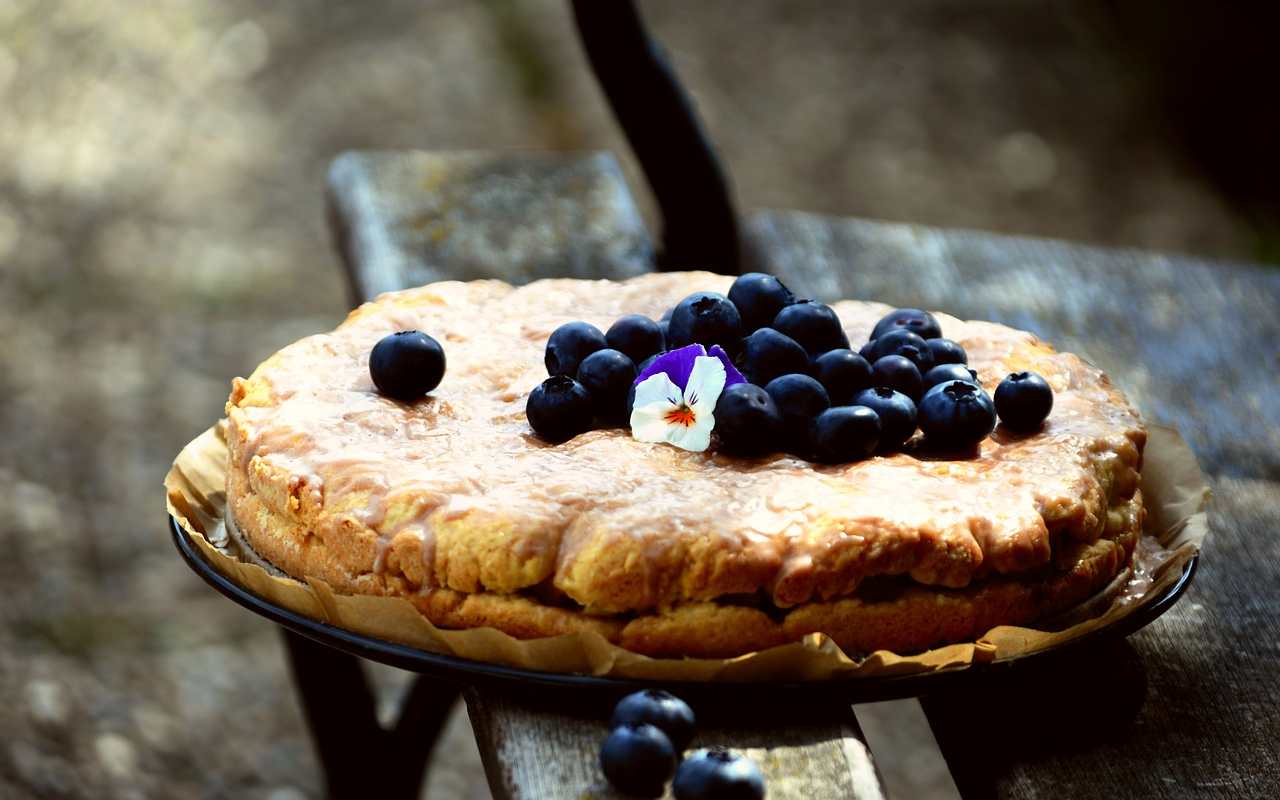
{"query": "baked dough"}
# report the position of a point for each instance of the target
(454, 504)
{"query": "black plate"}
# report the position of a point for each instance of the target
(479, 673)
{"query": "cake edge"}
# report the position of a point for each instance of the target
(919, 618)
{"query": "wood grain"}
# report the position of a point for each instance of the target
(407, 218)
(531, 752)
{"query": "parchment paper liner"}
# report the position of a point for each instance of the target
(1172, 486)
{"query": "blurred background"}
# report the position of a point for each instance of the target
(162, 230)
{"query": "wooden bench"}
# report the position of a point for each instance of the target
(1185, 708)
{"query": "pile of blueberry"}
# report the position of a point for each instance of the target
(591, 375)
(807, 393)
(650, 729)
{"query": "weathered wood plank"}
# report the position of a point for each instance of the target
(1186, 707)
(532, 753)
(408, 218)
(906, 752)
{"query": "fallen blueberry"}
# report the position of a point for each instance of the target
(638, 759)
(656, 707)
(718, 774)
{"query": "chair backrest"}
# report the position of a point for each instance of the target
(691, 187)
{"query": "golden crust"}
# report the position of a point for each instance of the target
(452, 503)
(906, 619)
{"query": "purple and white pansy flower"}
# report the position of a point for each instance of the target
(676, 396)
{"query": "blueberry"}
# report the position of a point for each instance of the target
(897, 415)
(844, 433)
(705, 318)
(948, 372)
(843, 373)
(718, 774)
(637, 336)
(656, 707)
(868, 351)
(799, 398)
(559, 409)
(922, 323)
(569, 344)
(759, 298)
(747, 421)
(766, 354)
(898, 372)
(666, 315)
(814, 325)
(946, 351)
(1023, 400)
(956, 415)
(406, 365)
(902, 342)
(607, 376)
(638, 759)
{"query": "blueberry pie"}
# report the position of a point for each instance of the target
(861, 526)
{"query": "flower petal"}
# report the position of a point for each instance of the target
(677, 364)
(649, 422)
(706, 381)
(655, 389)
(696, 437)
(731, 374)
